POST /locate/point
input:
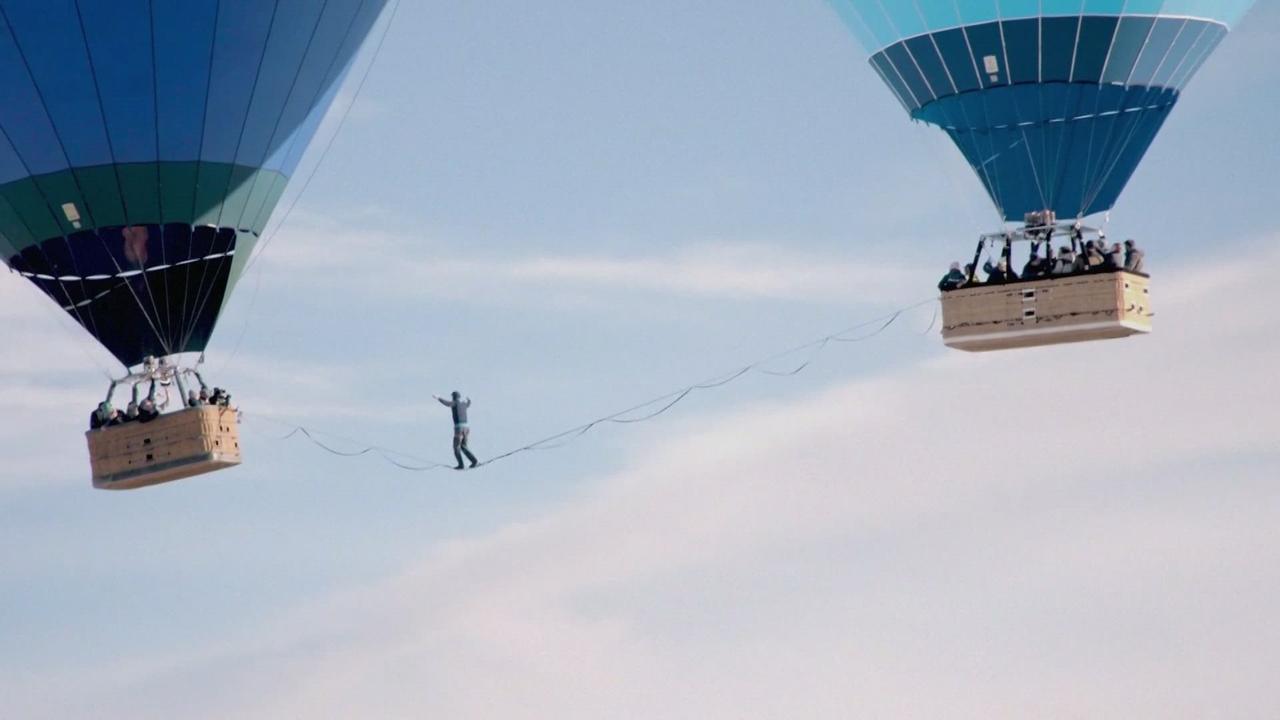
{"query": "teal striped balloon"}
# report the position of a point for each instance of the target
(1054, 103)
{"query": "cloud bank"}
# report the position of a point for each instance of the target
(318, 251)
(1073, 532)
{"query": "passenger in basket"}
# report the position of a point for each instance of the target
(131, 412)
(192, 399)
(1001, 273)
(1081, 263)
(1111, 258)
(461, 431)
(204, 395)
(147, 408)
(147, 411)
(1066, 261)
(953, 280)
(971, 278)
(101, 416)
(1093, 255)
(1133, 257)
(1010, 273)
(990, 269)
(1035, 267)
(220, 397)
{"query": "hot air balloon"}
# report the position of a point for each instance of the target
(1053, 103)
(143, 146)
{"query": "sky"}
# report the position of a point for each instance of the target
(562, 211)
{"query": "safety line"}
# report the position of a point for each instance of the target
(622, 417)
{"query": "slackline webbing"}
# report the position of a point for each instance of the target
(652, 408)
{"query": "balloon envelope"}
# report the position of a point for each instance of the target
(144, 145)
(1053, 102)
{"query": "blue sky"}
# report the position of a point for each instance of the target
(562, 210)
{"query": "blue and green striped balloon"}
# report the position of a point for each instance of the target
(144, 144)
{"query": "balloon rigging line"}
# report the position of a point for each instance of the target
(622, 417)
(244, 329)
(324, 153)
(79, 339)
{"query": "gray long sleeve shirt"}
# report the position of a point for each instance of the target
(459, 409)
(1133, 260)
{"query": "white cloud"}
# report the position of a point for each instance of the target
(317, 251)
(47, 365)
(296, 389)
(720, 270)
(1072, 532)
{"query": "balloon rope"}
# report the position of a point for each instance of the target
(324, 153)
(268, 237)
(77, 335)
(666, 401)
